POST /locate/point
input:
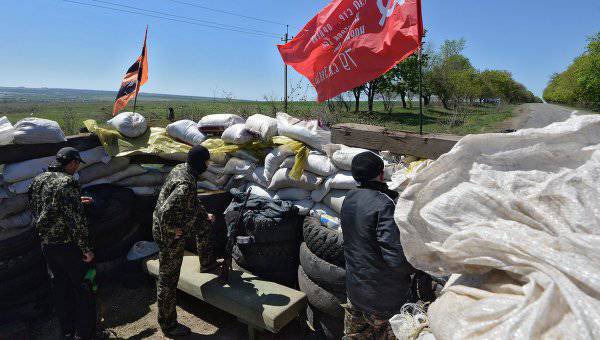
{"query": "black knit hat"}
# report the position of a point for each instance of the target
(197, 158)
(366, 166)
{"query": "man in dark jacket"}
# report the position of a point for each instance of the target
(377, 272)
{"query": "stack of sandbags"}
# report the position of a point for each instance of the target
(322, 277)
(7, 131)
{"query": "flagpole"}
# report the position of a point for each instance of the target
(137, 90)
(420, 93)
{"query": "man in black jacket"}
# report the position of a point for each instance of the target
(377, 272)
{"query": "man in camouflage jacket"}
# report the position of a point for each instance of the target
(179, 212)
(58, 216)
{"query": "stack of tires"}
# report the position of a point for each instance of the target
(24, 286)
(322, 277)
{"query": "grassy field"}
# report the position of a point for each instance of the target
(476, 119)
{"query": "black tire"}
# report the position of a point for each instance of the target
(20, 264)
(327, 327)
(18, 243)
(120, 248)
(261, 259)
(112, 208)
(323, 273)
(326, 243)
(268, 231)
(12, 289)
(327, 302)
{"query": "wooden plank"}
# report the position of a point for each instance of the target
(399, 142)
(21, 152)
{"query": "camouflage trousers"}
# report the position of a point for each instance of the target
(170, 259)
(359, 325)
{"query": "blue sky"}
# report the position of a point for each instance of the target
(53, 43)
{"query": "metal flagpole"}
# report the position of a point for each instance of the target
(420, 93)
(285, 71)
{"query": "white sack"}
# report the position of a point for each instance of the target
(146, 191)
(220, 120)
(207, 186)
(292, 194)
(101, 170)
(236, 166)
(93, 156)
(274, 159)
(343, 181)
(401, 178)
(236, 134)
(319, 193)
(320, 209)
(305, 131)
(518, 215)
(13, 205)
(21, 187)
(303, 206)
(19, 220)
(261, 192)
(149, 179)
(129, 124)
(258, 177)
(263, 126)
(16, 172)
(244, 154)
(38, 131)
(281, 180)
(130, 171)
(343, 157)
(335, 199)
(186, 131)
(317, 164)
(218, 180)
(215, 169)
(7, 131)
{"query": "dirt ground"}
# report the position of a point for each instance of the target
(128, 305)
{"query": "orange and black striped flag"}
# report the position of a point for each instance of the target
(136, 76)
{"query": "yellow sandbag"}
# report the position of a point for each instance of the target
(301, 152)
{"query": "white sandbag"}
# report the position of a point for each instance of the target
(320, 209)
(292, 194)
(343, 181)
(261, 192)
(218, 180)
(16, 172)
(304, 206)
(219, 159)
(263, 126)
(13, 205)
(149, 179)
(343, 157)
(20, 220)
(100, 170)
(274, 159)
(281, 179)
(93, 156)
(215, 169)
(146, 191)
(130, 171)
(38, 131)
(7, 131)
(186, 131)
(401, 178)
(237, 134)
(98, 181)
(237, 166)
(517, 215)
(316, 163)
(319, 193)
(21, 187)
(335, 199)
(305, 131)
(129, 124)
(206, 185)
(258, 177)
(247, 155)
(220, 120)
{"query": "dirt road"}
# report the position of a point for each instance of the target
(540, 115)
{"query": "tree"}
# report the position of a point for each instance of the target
(371, 89)
(357, 92)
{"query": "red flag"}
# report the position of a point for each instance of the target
(351, 42)
(136, 76)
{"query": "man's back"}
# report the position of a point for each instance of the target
(377, 273)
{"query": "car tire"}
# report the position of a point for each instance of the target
(323, 273)
(329, 303)
(325, 243)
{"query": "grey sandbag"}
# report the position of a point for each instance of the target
(149, 179)
(100, 170)
(13, 205)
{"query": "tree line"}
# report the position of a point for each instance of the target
(448, 75)
(579, 85)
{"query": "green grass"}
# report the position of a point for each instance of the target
(468, 120)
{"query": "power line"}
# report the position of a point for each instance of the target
(176, 20)
(183, 17)
(227, 12)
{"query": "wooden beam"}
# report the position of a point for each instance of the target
(21, 152)
(399, 142)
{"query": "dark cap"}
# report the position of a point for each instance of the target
(366, 166)
(68, 154)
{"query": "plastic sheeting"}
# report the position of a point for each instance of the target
(518, 216)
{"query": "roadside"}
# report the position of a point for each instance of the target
(539, 115)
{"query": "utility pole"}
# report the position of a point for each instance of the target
(285, 77)
(420, 91)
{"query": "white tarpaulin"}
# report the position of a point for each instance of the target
(518, 215)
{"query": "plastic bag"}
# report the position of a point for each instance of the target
(517, 215)
(306, 131)
(129, 124)
(16, 172)
(38, 131)
(263, 126)
(186, 131)
(237, 134)
(7, 131)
